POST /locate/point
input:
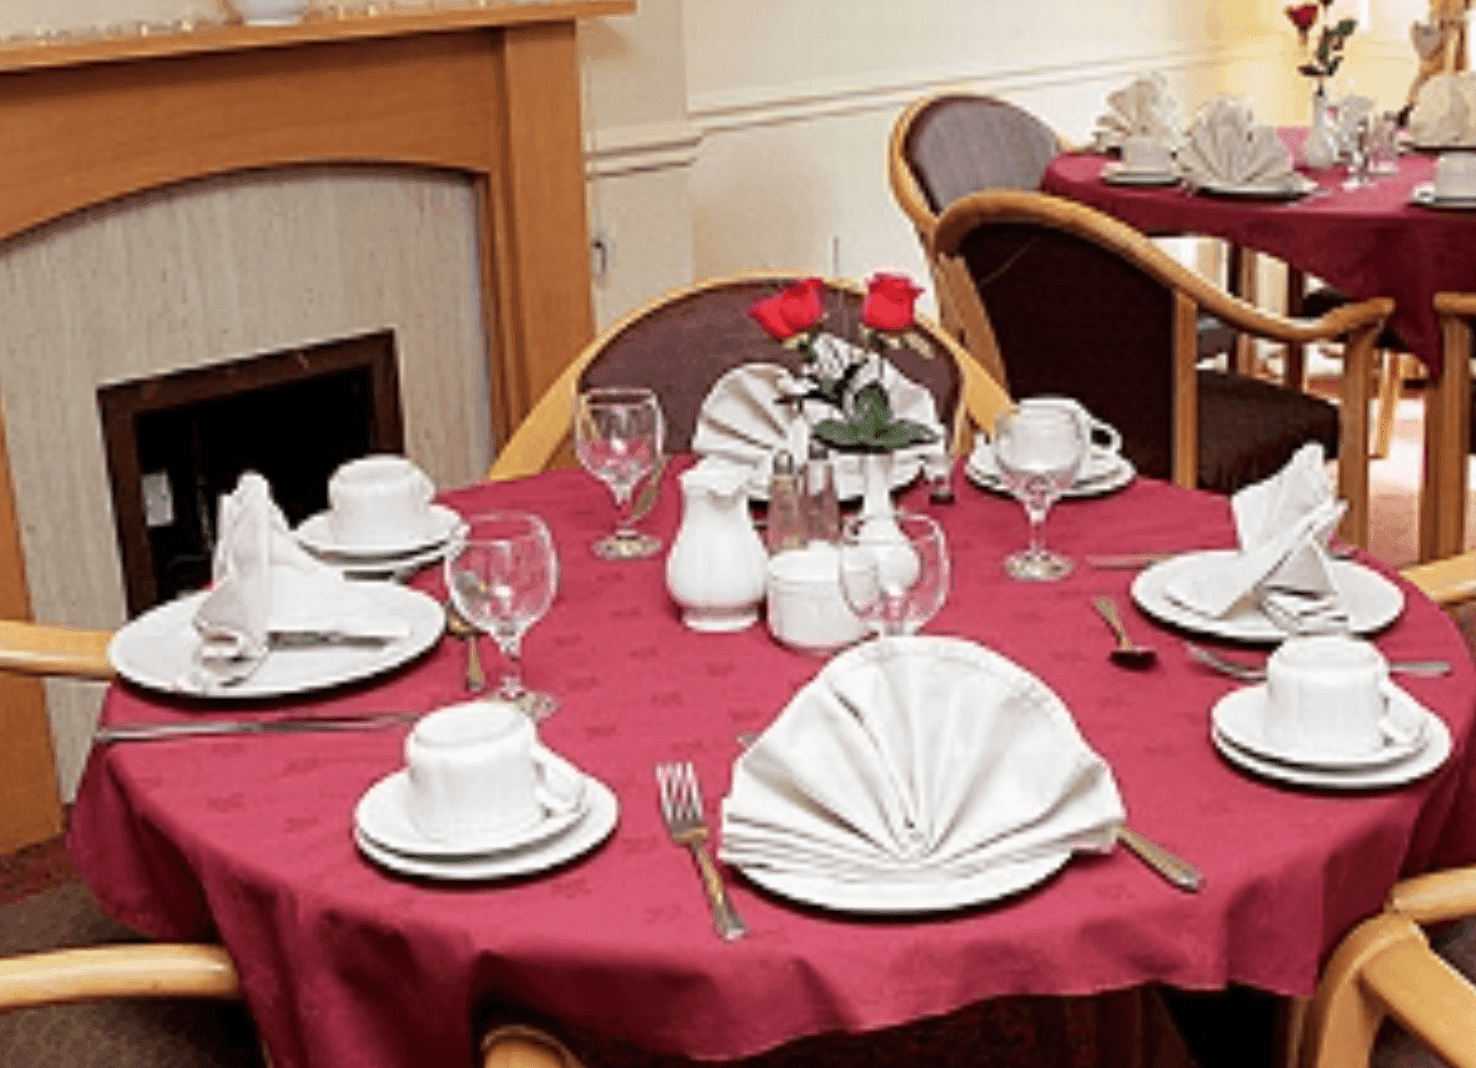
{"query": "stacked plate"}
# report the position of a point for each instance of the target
(1238, 732)
(1425, 196)
(390, 560)
(1103, 472)
(1121, 174)
(385, 834)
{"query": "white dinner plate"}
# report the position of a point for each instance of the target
(383, 816)
(1240, 716)
(1122, 174)
(1396, 773)
(599, 819)
(395, 567)
(1299, 187)
(315, 533)
(158, 649)
(1372, 601)
(1104, 472)
(899, 896)
(1425, 196)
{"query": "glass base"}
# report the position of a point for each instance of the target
(632, 546)
(536, 705)
(1037, 566)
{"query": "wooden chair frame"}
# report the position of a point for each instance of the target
(1358, 324)
(1448, 433)
(536, 444)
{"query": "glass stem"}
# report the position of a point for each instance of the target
(511, 687)
(1037, 517)
(624, 528)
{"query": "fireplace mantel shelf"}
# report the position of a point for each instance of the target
(313, 30)
(492, 92)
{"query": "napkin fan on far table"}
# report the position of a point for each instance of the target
(918, 760)
(1226, 148)
(1444, 112)
(264, 582)
(1142, 108)
(1283, 524)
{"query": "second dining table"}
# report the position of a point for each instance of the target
(249, 839)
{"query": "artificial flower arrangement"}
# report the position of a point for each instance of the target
(1328, 55)
(848, 377)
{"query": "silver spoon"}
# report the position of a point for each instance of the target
(459, 627)
(1128, 653)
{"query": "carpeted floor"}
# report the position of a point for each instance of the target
(44, 904)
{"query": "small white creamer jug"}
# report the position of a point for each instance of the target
(717, 566)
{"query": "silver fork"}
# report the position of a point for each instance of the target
(1238, 669)
(681, 808)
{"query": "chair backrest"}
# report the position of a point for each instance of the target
(947, 146)
(683, 342)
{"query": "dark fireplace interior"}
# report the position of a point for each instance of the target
(176, 442)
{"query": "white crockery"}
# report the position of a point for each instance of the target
(1455, 175)
(476, 775)
(806, 608)
(1102, 437)
(1142, 153)
(379, 500)
(1330, 693)
(270, 12)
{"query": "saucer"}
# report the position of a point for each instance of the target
(601, 814)
(1240, 718)
(1122, 174)
(382, 816)
(1425, 196)
(1103, 472)
(1396, 773)
(316, 534)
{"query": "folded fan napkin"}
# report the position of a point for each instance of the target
(1444, 111)
(263, 581)
(918, 759)
(1142, 108)
(743, 417)
(1283, 524)
(1226, 147)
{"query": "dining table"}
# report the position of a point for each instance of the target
(248, 838)
(1378, 239)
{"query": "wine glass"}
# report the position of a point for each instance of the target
(502, 574)
(617, 437)
(1039, 451)
(894, 570)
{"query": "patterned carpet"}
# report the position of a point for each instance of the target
(44, 904)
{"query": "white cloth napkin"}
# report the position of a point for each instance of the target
(1142, 108)
(743, 420)
(1283, 524)
(917, 759)
(1444, 111)
(263, 581)
(1226, 147)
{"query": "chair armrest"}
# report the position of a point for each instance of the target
(146, 970)
(1429, 998)
(1436, 897)
(1447, 582)
(41, 649)
(523, 1046)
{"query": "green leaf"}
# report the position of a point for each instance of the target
(1346, 27)
(873, 408)
(837, 435)
(1332, 67)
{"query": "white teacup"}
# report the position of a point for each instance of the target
(1330, 695)
(806, 608)
(477, 776)
(1455, 174)
(1099, 435)
(379, 500)
(1143, 153)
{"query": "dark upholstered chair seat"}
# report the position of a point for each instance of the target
(1248, 429)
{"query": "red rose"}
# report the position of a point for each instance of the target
(796, 309)
(889, 300)
(1302, 17)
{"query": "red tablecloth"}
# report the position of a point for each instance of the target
(1369, 242)
(248, 838)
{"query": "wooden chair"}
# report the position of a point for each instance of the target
(1069, 300)
(682, 342)
(1448, 423)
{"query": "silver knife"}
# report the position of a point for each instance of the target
(317, 639)
(1175, 869)
(148, 732)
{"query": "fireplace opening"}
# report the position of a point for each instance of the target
(176, 442)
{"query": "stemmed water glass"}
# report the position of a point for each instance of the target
(502, 575)
(1039, 451)
(894, 570)
(618, 435)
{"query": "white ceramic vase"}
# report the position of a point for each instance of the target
(717, 567)
(1321, 147)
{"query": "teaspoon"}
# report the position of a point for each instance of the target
(1128, 653)
(461, 628)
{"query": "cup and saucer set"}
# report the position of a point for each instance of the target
(1454, 186)
(1104, 469)
(1145, 161)
(380, 521)
(481, 798)
(1329, 717)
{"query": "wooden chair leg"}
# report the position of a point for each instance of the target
(1391, 383)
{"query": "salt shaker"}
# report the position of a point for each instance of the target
(786, 524)
(822, 507)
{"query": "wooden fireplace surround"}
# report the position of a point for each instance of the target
(490, 91)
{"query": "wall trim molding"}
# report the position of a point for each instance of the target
(635, 149)
(753, 108)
